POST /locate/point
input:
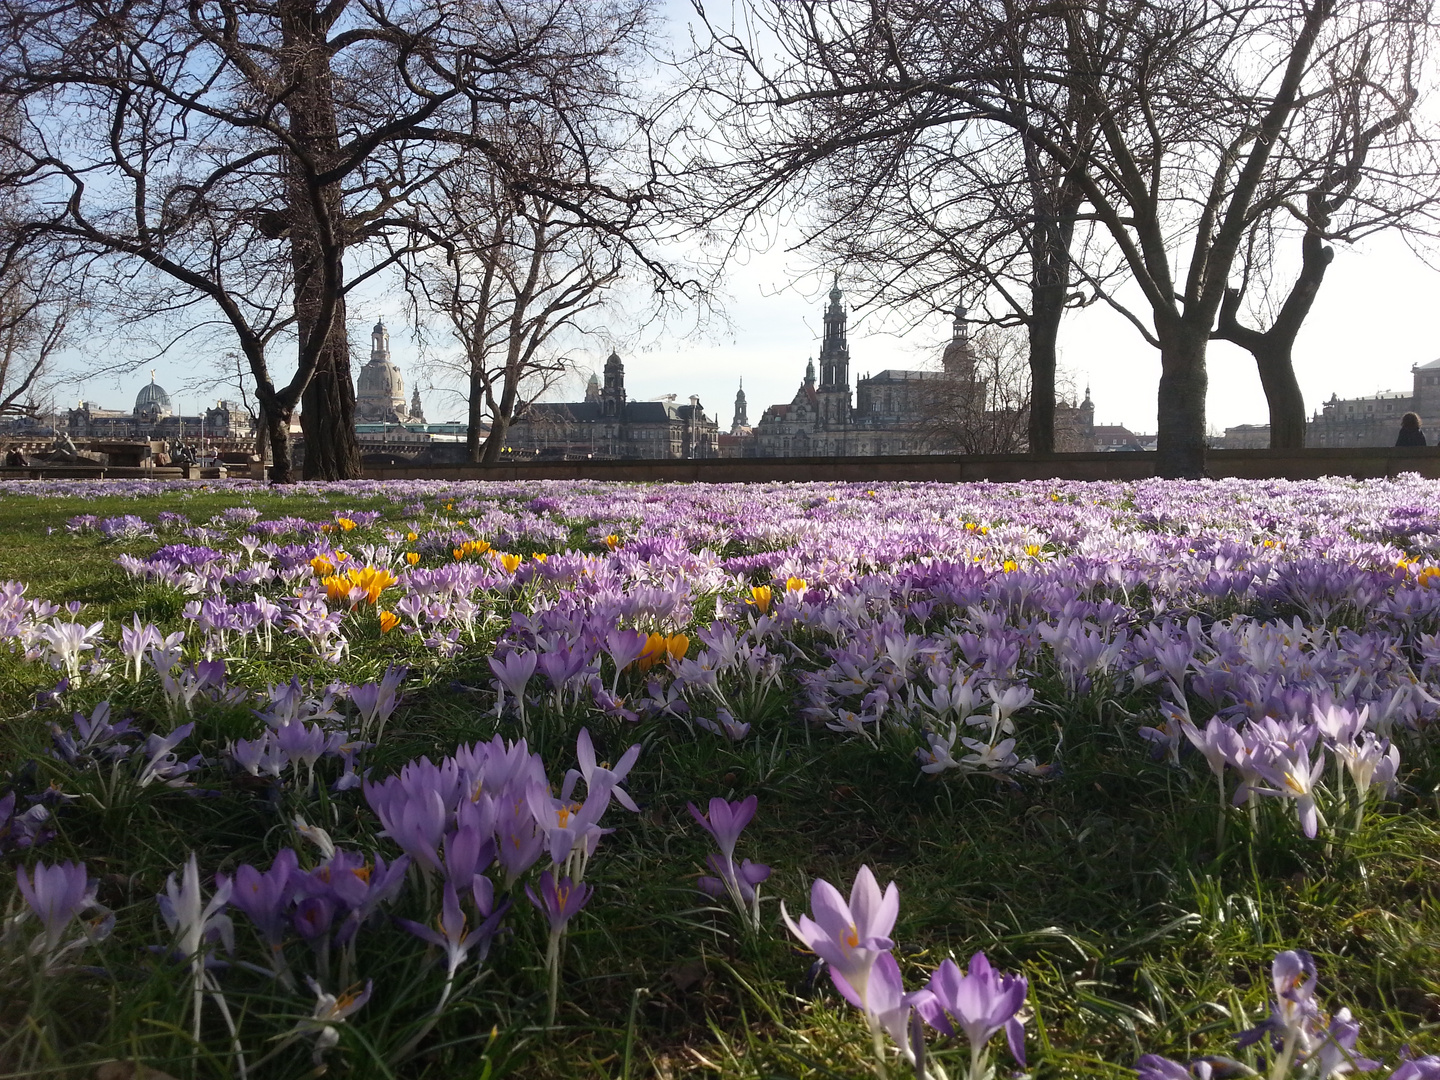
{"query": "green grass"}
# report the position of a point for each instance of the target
(1102, 884)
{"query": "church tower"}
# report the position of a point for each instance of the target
(379, 389)
(834, 352)
(592, 389)
(742, 418)
(958, 360)
(417, 412)
(612, 396)
(834, 364)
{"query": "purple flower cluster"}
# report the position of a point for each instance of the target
(853, 938)
(1300, 1035)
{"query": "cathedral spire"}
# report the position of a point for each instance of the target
(742, 417)
(834, 352)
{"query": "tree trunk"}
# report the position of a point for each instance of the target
(1043, 327)
(1282, 393)
(475, 412)
(1054, 230)
(327, 413)
(1180, 415)
(317, 246)
(495, 441)
(1273, 350)
(278, 423)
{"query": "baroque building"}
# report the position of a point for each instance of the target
(897, 410)
(607, 424)
(821, 420)
(379, 388)
(153, 417)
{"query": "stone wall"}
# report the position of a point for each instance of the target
(1359, 462)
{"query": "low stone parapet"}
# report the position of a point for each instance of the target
(1307, 464)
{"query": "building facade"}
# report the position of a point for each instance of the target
(153, 417)
(895, 411)
(609, 425)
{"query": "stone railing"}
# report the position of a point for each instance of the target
(1361, 462)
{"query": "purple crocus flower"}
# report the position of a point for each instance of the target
(559, 900)
(1294, 1016)
(1336, 1056)
(313, 916)
(724, 823)
(1155, 1067)
(624, 648)
(513, 673)
(888, 1008)
(744, 877)
(1421, 1068)
(599, 777)
(470, 848)
(519, 839)
(725, 820)
(849, 935)
(414, 819)
(56, 894)
(451, 935)
(25, 829)
(1293, 777)
(981, 1002)
(375, 702)
(265, 897)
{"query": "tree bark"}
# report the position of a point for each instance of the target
(278, 423)
(1055, 209)
(1180, 413)
(1282, 393)
(1043, 327)
(327, 414)
(495, 441)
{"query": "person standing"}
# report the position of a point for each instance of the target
(1410, 433)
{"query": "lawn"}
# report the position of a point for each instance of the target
(1130, 741)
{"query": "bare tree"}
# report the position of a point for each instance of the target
(514, 278)
(1179, 125)
(984, 408)
(925, 205)
(37, 304)
(1374, 168)
(246, 150)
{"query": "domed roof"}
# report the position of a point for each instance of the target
(153, 394)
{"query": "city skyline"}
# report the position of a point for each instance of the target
(1370, 325)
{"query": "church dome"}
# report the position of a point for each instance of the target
(379, 390)
(153, 402)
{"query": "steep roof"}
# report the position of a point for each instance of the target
(591, 412)
(896, 375)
